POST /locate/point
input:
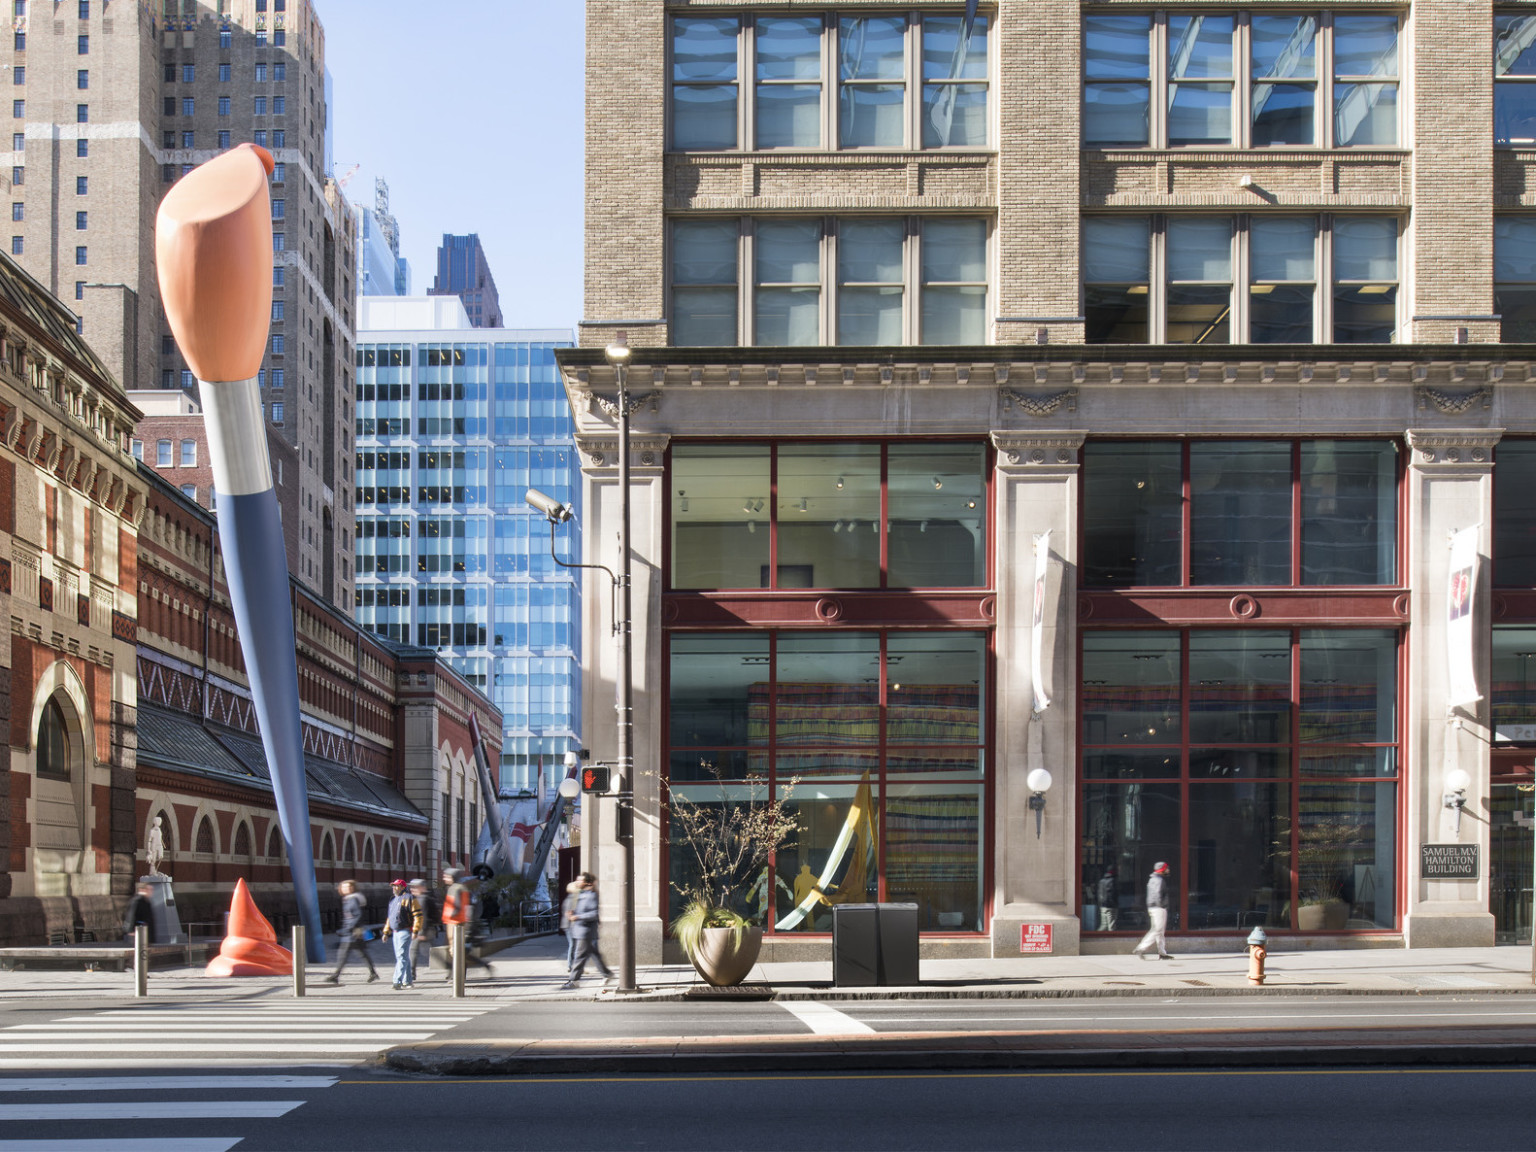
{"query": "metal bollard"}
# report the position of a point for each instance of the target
(1256, 954)
(298, 960)
(456, 949)
(141, 960)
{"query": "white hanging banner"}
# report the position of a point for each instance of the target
(1460, 592)
(1042, 699)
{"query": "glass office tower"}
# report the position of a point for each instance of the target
(454, 424)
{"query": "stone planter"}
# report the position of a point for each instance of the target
(1329, 915)
(724, 960)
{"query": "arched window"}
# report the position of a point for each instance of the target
(384, 856)
(243, 840)
(327, 848)
(368, 850)
(205, 841)
(348, 850)
(416, 855)
(274, 843)
(53, 752)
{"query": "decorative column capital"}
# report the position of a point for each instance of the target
(1446, 448)
(1019, 452)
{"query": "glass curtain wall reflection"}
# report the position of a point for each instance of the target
(877, 741)
(450, 435)
(1260, 763)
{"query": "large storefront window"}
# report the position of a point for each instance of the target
(882, 734)
(855, 516)
(1514, 514)
(1239, 513)
(1261, 763)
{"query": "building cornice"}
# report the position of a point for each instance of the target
(1047, 375)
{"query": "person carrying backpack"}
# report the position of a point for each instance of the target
(459, 908)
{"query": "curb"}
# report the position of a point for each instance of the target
(859, 1054)
(750, 994)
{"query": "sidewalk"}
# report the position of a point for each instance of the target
(532, 971)
(535, 968)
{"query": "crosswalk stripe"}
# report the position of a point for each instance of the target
(205, 1034)
(139, 1061)
(152, 1110)
(823, 1019)
(162, 1083)
(126, 1144)
(224, 1048)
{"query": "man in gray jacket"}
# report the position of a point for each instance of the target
(582, 926)
(1158, 897)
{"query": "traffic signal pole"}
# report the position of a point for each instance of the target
(618, 356)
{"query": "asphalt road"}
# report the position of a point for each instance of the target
(332, 1109)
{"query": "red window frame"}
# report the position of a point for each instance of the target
(882, 610)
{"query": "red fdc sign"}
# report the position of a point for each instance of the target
(594, 779)
(1034, 937)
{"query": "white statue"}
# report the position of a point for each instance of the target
(154, 850)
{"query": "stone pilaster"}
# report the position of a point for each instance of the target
(1450, 487)
(1033, 876)
(600, 852)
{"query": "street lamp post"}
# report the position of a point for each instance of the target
(617, 355)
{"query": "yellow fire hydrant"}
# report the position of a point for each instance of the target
(1256, 953)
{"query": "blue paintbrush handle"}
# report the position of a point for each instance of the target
(256, 570)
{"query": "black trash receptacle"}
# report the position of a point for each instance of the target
(874, 944)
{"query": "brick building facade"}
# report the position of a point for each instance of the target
(70, 506)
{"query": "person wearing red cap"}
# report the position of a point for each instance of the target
(1157, 913)
(403, 922)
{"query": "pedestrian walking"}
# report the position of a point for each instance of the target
(459, 908)
(1109, 900)
(431, 924)
(403, 923)
(567, 907)
(1157, 913)
(584, 917)
(351, 935)
(141, 910)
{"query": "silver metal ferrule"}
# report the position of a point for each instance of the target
(237, 436)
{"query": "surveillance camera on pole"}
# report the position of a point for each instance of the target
(557, 512)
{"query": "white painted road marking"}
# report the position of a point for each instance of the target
(150, 1110)
(824, 1020)
(239, 1033)
(125, 1144)
(163, 1083)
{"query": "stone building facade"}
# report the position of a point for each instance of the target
(114, 102)
(932, 487)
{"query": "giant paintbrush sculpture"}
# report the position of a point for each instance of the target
(213, 244)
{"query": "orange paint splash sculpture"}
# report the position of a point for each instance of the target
(251, 947)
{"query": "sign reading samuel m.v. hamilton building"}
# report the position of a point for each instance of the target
(1448, 862)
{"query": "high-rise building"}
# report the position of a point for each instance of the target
(454, 425)
(381, 270)
(111, 104)
(1069, 438)
(463, 271)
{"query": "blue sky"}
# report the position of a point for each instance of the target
(472, 111)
